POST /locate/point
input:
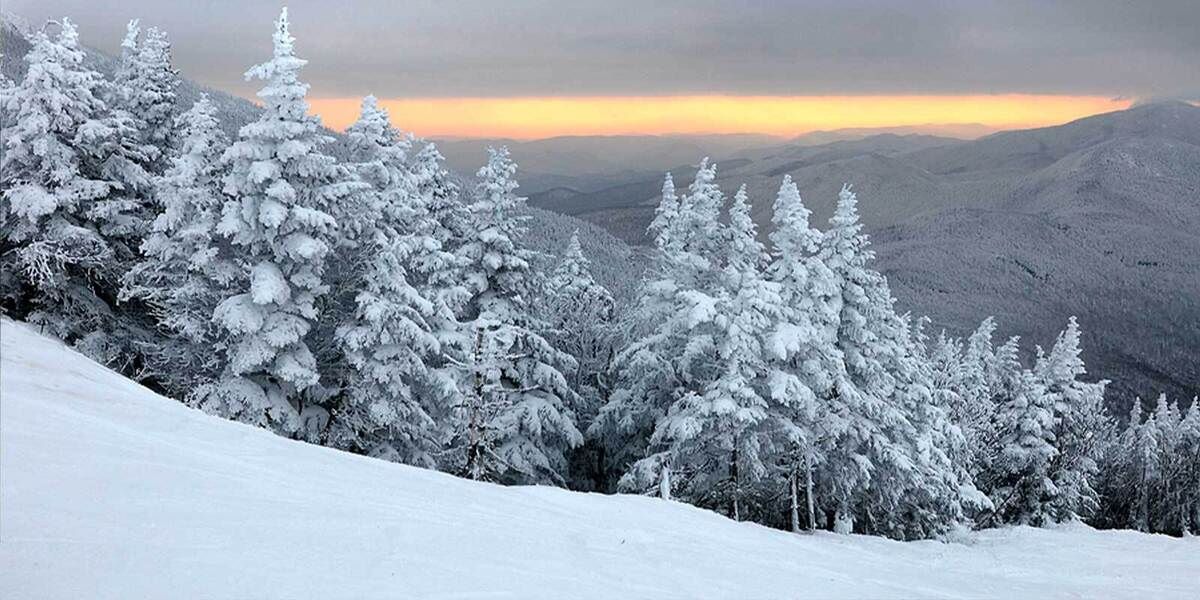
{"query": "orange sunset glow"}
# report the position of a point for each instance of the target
(539, 117)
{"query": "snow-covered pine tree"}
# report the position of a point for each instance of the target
(156, 97)
(1170, 494)
(144, 91)
(1188, 483)
(872, 430)
(975, 384)
(668, 208)
(1143, 467)
(804, 362)
(1021, 486)
(451, 221)
(281, 188)
(387, 387)
(694, 234)
(127, 66)
(581, 314)
(946, 494)
(123, 151)
(57, 266)
(183, 274)
(1081, 427)
(511, 421)
(717, 435)
(669, 341)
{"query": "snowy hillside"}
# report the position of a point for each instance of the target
(110, 491)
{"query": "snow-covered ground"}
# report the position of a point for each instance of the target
(110, 491)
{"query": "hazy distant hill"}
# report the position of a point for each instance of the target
(1099, 218)
(582, 164)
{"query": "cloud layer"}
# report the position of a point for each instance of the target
(485, 48)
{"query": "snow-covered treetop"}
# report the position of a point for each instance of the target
(576, 262)
(668, 206)
(695, 228)
(200, 130)
(846, 246)
(373, 126)
(130, 43)
(793, 236)
(1064, 362)
(497, 185)
(54, 104)
(745, 251)
(286, 92)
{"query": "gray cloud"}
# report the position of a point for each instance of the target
(618, 47)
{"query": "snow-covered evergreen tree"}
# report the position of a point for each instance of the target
(182, 272)
(1080, 425)
(511, 418)
(1185, 512)
(582, 319)
(580, 313)
(1022, 488)
(281, 189)
(387, 341)
(672, 346)
(123, 148)
(451, 221)
(57, 264)
(804, 362)
(668, 208)
(870, 428)
(717, 435)
(143, 91)
(976, 384)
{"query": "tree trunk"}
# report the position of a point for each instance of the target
(664, 484)
(795, 503)
(601, 478)
(737, 485)
(474, 427)
(808, 493)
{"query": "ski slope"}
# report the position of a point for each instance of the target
(110, 491)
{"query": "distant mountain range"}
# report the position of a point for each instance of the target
(1098, 218)
(592, 163)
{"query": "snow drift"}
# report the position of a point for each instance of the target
(110, 491)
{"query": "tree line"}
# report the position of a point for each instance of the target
(352, 292)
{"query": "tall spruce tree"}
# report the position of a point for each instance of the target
(1081, 427)
(869, 430)
(281, 188)
(668, 209)
(144, 91)
(673, 348)
(804, 362)
(582, 319)
(183, 273)
(511, 418)
(1022, 488)
(387, 341)
(58, 266)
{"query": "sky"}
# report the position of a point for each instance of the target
(535, 68)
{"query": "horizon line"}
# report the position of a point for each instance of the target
(541, 117)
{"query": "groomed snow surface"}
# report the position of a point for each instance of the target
(110, 491)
